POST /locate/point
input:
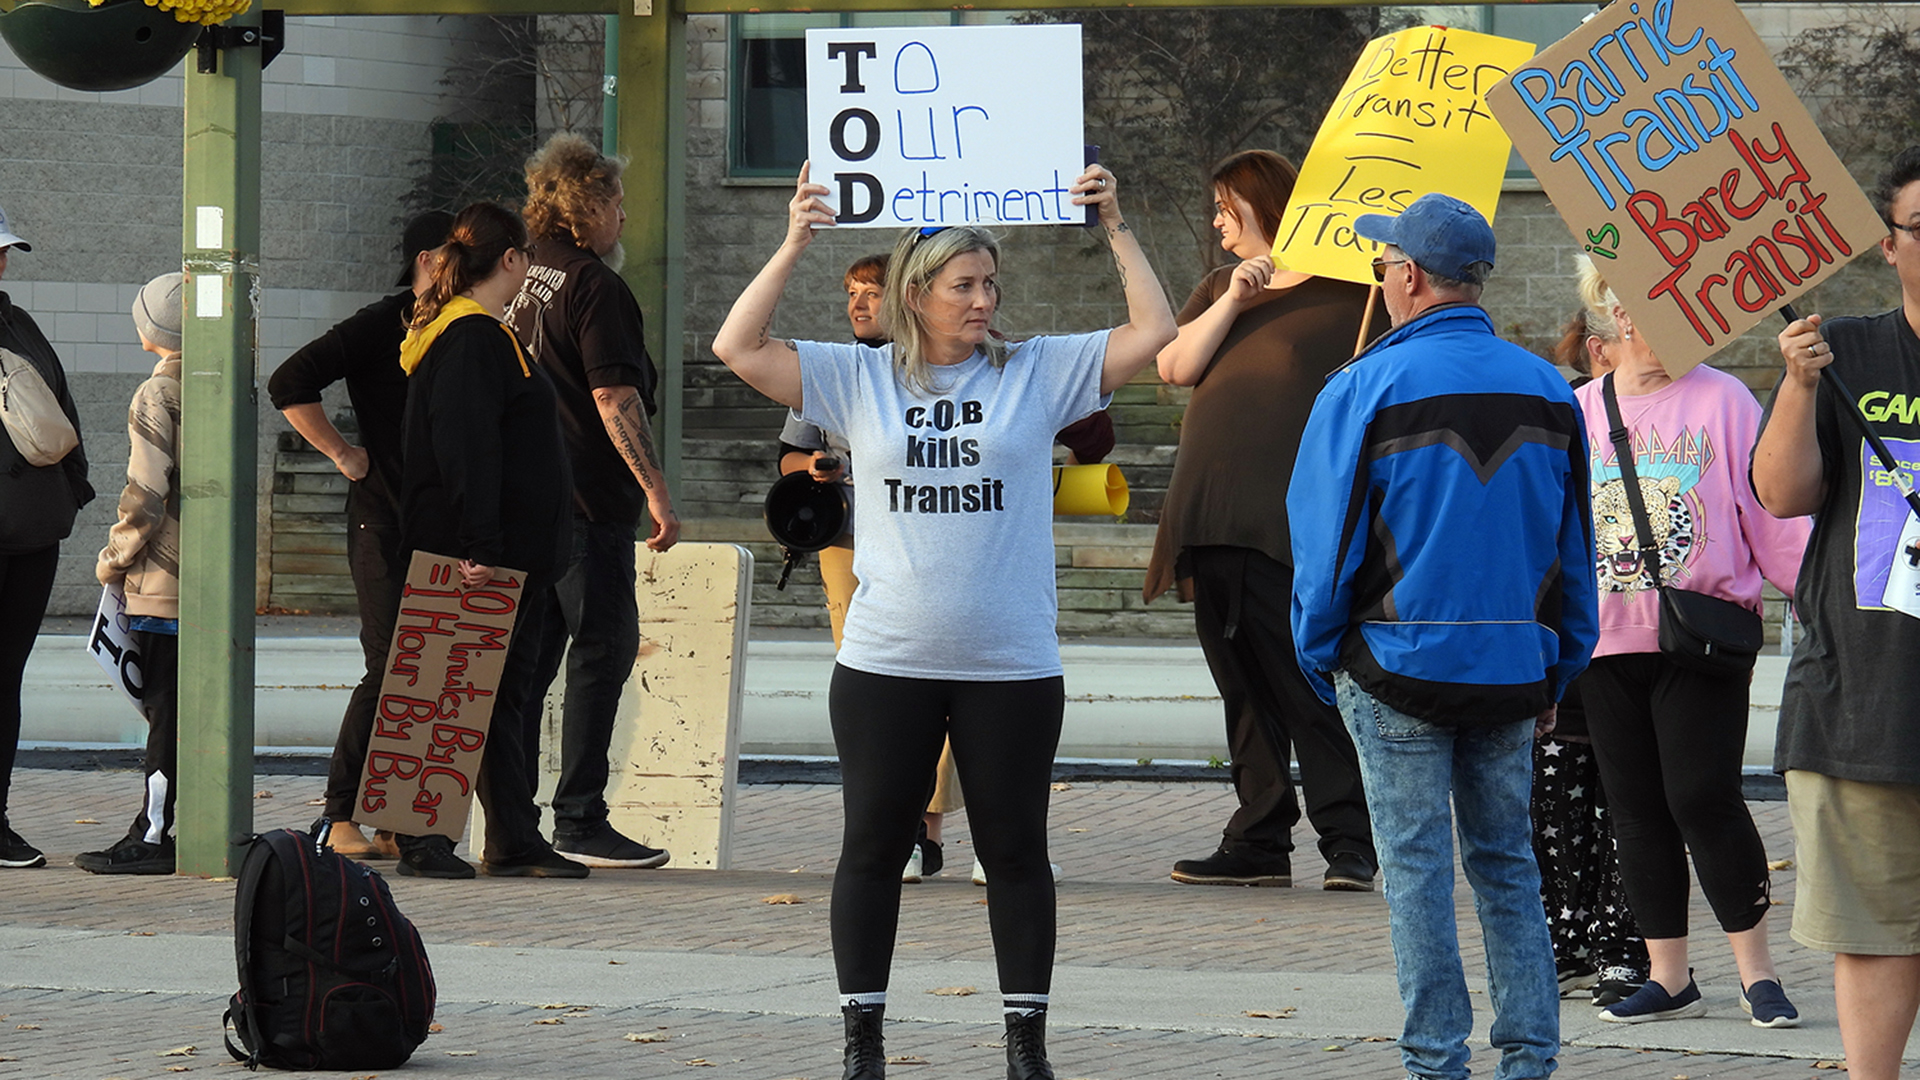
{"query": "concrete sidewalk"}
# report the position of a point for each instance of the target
(1125, 701)
(1153, 979)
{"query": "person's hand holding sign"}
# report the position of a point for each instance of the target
(805, 210)
(1805, 351)
(473, 574)
(1149, 322)
(1096, 187)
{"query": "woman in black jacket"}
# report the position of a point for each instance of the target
(37, 507)
(485, 481)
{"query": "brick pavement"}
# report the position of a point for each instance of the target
(1117, 908)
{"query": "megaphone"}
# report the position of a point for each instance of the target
(805, 515)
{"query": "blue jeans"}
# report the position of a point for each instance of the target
(1410, 767)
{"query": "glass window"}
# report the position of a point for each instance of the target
(767, 81)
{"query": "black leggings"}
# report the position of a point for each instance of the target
(26, 580)
(1670, 743)
(889, 731)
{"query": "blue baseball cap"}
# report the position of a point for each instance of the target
(1441, 233)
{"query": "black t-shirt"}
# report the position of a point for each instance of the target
(363, 349)
(1851, 707)
(581, 323)
(486, 475)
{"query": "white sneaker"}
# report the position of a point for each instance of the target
(911, 875)
(980, 872)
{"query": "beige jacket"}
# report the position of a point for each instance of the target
(143, 547)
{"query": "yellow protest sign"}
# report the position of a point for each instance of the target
(1410, 120)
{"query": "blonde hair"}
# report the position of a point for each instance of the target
(916, 260)
(568, 182)
(1599, 299)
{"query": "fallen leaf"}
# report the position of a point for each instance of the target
(1823, 1064)
(551, 1020)
(953, 991)
(1061, 786)
(316, 802)
(647, 1036)
(1076, 830)
(1681, 1076)
(263, 794)
(485, 944)
(178, 1051)
(435, 1029)
(1378, 1038)
(558, 1005)
(1272, 1014)
(1780, 864)
(699, 1061)
(982, 902)
(139, 933)
(784, 898)
(179, 1068)
(1264, 919)
(86, 821)
(462, 1053)
(907, 1059)
(26, 1027)
(616, 963)
(1333, 1049)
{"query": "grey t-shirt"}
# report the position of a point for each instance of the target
(955, 516)
(1851, 706)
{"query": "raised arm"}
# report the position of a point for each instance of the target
(1789, 475)
(744, 343)
(1149, 322)
(1185, 361)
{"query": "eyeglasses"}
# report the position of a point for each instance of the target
(1910, 230)
(1380, 267)
(930, 230)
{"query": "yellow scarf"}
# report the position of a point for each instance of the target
(414, 348)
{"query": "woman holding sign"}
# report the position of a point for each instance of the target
(951, 632)
(1255, 344)
(1675, 517)
(486, 482)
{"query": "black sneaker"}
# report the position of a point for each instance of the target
(1617, 983)
(432, 857)
(1225, 867)
(604, 846)
(545, 862)
(1027, 1047)
(930, 858)
(1348, 872)
(1575, 976)
(130, 856)
(16, 853)
(866, 1056)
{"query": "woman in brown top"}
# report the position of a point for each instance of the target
(1255, 344)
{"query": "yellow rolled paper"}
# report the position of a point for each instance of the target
(1097, 490)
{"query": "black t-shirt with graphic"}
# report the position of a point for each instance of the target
(581, 323)
(1851, 707)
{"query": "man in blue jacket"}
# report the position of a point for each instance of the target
(1444, 598)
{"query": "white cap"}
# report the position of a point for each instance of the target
(7, 239)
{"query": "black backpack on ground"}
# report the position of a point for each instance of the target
(332, 976)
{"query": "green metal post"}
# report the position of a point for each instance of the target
(610, 79)
(221, 359)
(652, 124)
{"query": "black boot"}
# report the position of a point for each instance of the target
(1027, 1047)
(866, 1059)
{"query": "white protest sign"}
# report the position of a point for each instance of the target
(947, 125)
(112, 645)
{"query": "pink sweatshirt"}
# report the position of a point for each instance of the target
(1692, 441)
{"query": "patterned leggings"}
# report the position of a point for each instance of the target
(1586, 904)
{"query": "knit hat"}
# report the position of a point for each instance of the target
(156, 311)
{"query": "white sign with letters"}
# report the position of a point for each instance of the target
(947, 125)
(112, 646)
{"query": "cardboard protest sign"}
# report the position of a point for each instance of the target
(436, 701)
(946, 125)
(1410, 120)
(113, 648)
(1684, 164)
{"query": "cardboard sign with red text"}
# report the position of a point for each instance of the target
(1685, 166)
(436, 702)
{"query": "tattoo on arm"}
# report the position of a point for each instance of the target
(765, 328)
(791, 347)
(633, 437)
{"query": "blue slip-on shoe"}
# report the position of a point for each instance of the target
(1767, 1003)
(1652, 1002)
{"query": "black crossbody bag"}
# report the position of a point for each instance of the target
(1699, 632)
